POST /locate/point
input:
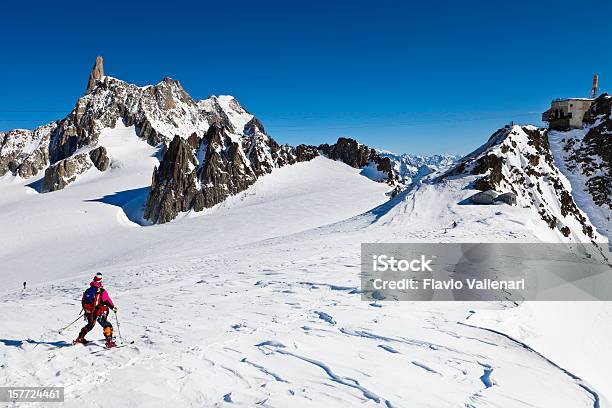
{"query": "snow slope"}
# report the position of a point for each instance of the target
(555, 328)
(277, 323)
(98, 211)
(255, 301)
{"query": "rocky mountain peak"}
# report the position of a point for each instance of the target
(96, 74)
(518, 161)
(158, 113)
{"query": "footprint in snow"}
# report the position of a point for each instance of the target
(388, 348)
(271, 343)
(324, 316)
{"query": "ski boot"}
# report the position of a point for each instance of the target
(108, 335)
(80, 340)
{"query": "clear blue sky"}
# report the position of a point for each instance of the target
(420, 77)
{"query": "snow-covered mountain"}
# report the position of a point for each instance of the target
(518, 161)
(412, 167)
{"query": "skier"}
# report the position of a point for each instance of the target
(96, 304)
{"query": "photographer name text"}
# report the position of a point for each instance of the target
(447, 284)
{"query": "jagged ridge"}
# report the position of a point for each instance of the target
(518, 159)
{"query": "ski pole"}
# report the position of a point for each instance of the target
(118, 328)
(77, 319)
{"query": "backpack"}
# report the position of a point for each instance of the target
(91, 299)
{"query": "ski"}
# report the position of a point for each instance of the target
(107, 349)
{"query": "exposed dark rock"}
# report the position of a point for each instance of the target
(357, 155)
(508, 198)
(348, 151)
(253, 127)
(396, 170)
(305, 152)
(96, 74)
(148, 133)
(215, 114)
(99, 158)
(25, 152)
(194, 141)
(565, 231)
(475, 163)
(262, 152)
(484, 197)
(227, 159)
(384, 165)
(600, 188)
(174, 185)
(225, 171)
(492, 165)
(65, 172)
(538, 139)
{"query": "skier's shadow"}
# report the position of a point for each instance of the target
(19, 343)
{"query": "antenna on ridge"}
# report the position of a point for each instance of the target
(595, 88)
